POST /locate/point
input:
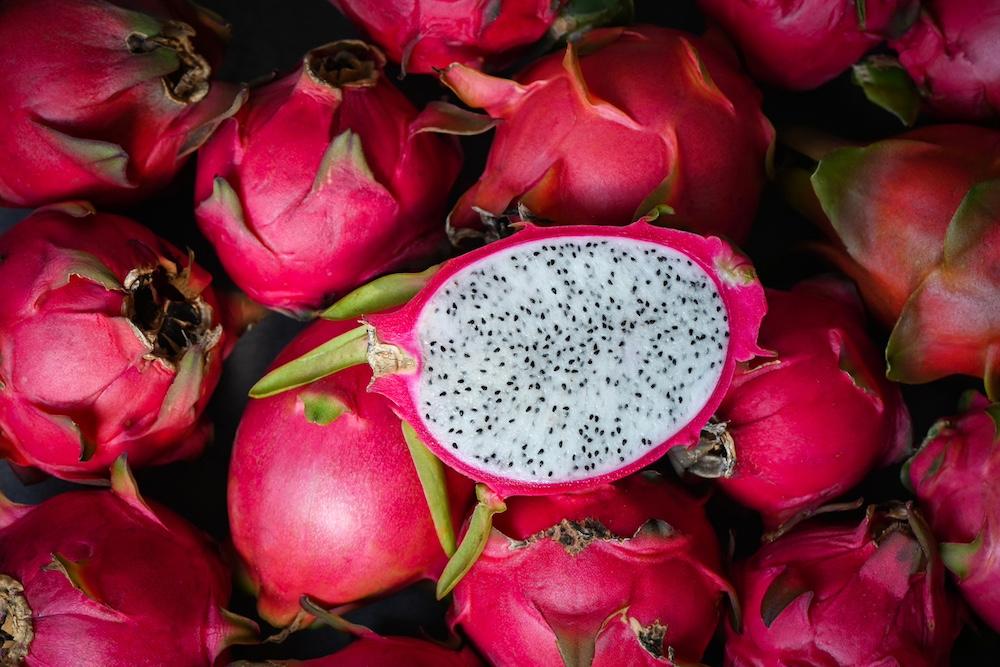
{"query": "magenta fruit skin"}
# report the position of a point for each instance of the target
(628, 573)
(115, 581)
(86, 372)
(334, 511)
(361, 189)
(954, 476)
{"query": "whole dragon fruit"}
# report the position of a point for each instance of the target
(424, 35)
(359, 193)
(107, 98)
(846, 595)
(914, 221)
(324, 499)
(104, 578)
(954, 477)
(803, 44)
(556, 359)
(799, 429)
(624, 574)
(110, 343)
(626, 121)
(951, 55)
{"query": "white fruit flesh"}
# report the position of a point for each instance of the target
(568, 358)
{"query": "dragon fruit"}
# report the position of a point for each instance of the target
(424, 35)
(805, 43)
(951, 55)
(800, 429)
(622, 574)
(913, 221)
(104, 578)
(360, 192)
(617, 344)
(107, 99)
(954, 477)
(626, 121)
(110, 343)
(323, 497)
(846, 595)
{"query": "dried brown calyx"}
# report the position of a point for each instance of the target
(713, 457)
(574, 536)
(651, 637)
(169, 314)
(16, 630)
(345, 64)
(189, 82)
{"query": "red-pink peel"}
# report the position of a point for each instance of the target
(954, 477)
(914, 221)
(324, 499)
(950, 52)
(110, 344)
(625, 121)
(799, 429)
(103, 100)
(104, 578)
(622, 574)
(802, 44)
(360, 192)
(846, 595)
(424, 35)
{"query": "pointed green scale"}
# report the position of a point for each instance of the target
(887, 85)
(431, 472)
(380, 294)
(474, 541)
(321, 408)
(346, 350)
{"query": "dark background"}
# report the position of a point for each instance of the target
(271, 36)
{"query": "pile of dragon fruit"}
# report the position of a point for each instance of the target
(556, 333)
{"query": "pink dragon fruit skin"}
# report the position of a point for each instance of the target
(114, 138)
(807, 425)
(846, 595)
(926, 204)
(425, 35)
(954, 477)
(104, 578)
(110, 343)
(625, 121)
(621, 574)
(360, 193)
(330, 510)
(802, 44)
(950, 53)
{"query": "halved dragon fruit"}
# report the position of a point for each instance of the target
(556, 359)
